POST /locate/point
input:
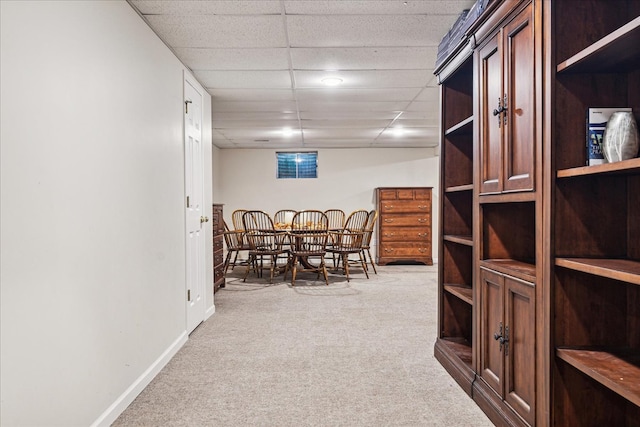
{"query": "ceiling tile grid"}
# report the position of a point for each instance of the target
(264, 62)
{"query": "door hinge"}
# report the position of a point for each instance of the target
(188, 205)
(186, 106)
(188, 294)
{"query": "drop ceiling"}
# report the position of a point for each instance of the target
(263, 62)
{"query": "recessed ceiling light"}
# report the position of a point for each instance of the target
(398, 131)
(331, 81)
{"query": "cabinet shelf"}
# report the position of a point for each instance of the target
(463, 240)
(465, 127)
(522, 270)
(465, 293)
(617, 369)
(617, 51)
(459, 188)
(461, 347)
(625, 167)
(617, 269)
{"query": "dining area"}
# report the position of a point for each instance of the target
(299, 245)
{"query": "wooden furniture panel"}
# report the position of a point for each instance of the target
(520, 372)
(507, 107)
(218, 247)
(408, 219)
(594, 62)
(404, 225)
(405, 206)
(491, 128)
(519, 145)
(454, 347)
(404, 234)
(492, 315)
(507, 341)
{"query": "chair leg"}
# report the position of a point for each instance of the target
(324, 271)
(295, 270)
(371, 261)
(226, 261)
(235, 259)
(363, 261)
(345, 265)
(246, 273)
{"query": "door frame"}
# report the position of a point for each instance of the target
(200, 315)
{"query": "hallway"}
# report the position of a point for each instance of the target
(347, 354)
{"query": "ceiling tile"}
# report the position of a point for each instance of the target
(364, 78)
(344, 115)
(356, 95)
(365, 30)
(410, 133)
(381, 7)
(345, 123)
(329, 133)
(360, 58)
(244, 79)
(417, 123)
(255, 115)
(263, 124)
(221, 95)
(345, 107)
(277, 106)
(338, 143)
(215, 31)
(199, 7)
(234, 59)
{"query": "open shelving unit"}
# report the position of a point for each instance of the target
(454, 346)
(596, 233)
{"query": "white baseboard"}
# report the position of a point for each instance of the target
(209, 312)
(122, 402)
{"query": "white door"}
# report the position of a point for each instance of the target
(195, 215)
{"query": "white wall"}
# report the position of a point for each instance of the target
(346, 179)
(92, 214)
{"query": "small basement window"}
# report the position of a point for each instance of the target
(297, 165)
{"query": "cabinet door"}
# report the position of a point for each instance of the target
(491, 325)
(520, 354)
(490, 97)
(507, 107)
(518, 119)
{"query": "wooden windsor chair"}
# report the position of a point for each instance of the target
(348, 241)
(265, 243)
(309, 236)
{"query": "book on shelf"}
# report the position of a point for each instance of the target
(596, 123)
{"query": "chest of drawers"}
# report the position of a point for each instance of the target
(404, 225)
(218, 248)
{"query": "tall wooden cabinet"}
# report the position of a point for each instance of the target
(539, 278)
(404, 224)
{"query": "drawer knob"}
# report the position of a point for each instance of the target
(388, 206)
(422, 206)
(422, 220)
(389, 250)
(388, 220)
(422, 234)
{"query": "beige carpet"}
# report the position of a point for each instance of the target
(347, 354)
